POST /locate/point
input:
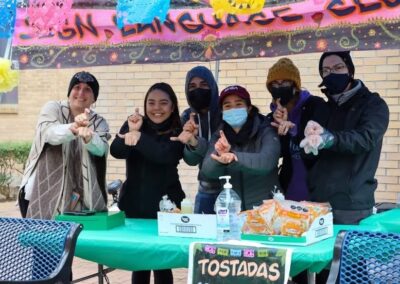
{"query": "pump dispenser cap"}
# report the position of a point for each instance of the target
(227, 183)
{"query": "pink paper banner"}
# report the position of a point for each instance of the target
(92, 38)
(98, 27)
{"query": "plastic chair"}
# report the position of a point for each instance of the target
(36, 251)
(366, 257)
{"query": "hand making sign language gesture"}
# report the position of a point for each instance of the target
(189, 133)
(281, 122)
(80, 127)
(135, 122)
(222, 147)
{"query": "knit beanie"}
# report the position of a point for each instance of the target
(284, 69)
(85, 77)
(346, 57)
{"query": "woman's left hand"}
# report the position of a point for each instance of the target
(135, 121)
(225, 158)
(281, 113)
(222, 145)
(86, 134)
(131, 138)
(283, 127)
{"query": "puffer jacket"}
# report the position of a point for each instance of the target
(255, 174)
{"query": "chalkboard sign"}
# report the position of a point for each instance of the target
(238, 262)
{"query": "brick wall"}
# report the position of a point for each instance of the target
(122, 88)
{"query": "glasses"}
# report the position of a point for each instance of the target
(84, 77)
(337, 69)
(283, 83)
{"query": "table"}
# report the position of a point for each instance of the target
(136, 246)
(386, 221)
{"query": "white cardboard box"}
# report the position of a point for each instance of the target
(187, 225)
(320, 229)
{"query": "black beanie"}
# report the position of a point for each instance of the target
(345, 55)
(85, 77)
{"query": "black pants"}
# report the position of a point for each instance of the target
(23, 204)
(320, 278)
(160, 277)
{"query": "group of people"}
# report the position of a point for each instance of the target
(329, 147)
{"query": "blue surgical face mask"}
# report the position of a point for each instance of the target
(235, 117)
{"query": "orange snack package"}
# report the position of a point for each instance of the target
(317, 209)
(291, 218)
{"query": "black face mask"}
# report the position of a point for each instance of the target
(283, 93)
(336, 83)
(199, 98)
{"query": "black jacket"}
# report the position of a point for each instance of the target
(344, 174)
(151, 171)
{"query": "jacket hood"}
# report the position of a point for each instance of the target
(206, 74)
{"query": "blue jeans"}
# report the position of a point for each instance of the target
(204, 203)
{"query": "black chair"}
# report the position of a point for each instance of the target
(366, 257)
(36, 251)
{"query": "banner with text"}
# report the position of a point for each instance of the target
(92, 36)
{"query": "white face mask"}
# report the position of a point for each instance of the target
(235, 117)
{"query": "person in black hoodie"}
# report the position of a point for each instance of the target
(347, 143)
(151, 162)
(203, 117)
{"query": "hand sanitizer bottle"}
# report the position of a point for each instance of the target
(227, 208)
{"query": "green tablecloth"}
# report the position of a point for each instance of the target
(385, 221)
(136, 246)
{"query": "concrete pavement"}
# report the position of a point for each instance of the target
(82, 267)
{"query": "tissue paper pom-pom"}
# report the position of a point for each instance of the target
(8, 77)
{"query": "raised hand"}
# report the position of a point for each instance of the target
(189, 133)
(225, 158)
(135, 121)
(222, 145)
(86, 134)
(81, 120)
(313, 128)
(311, 144)
(185, 137)
(191, 125)
(131, 138)
(283, 127)
(281, 113)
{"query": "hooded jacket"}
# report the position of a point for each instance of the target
(208, 123)
(207, 126)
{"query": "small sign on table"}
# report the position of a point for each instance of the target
(238, 262)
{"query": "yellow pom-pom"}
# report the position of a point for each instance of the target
(8, 77)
